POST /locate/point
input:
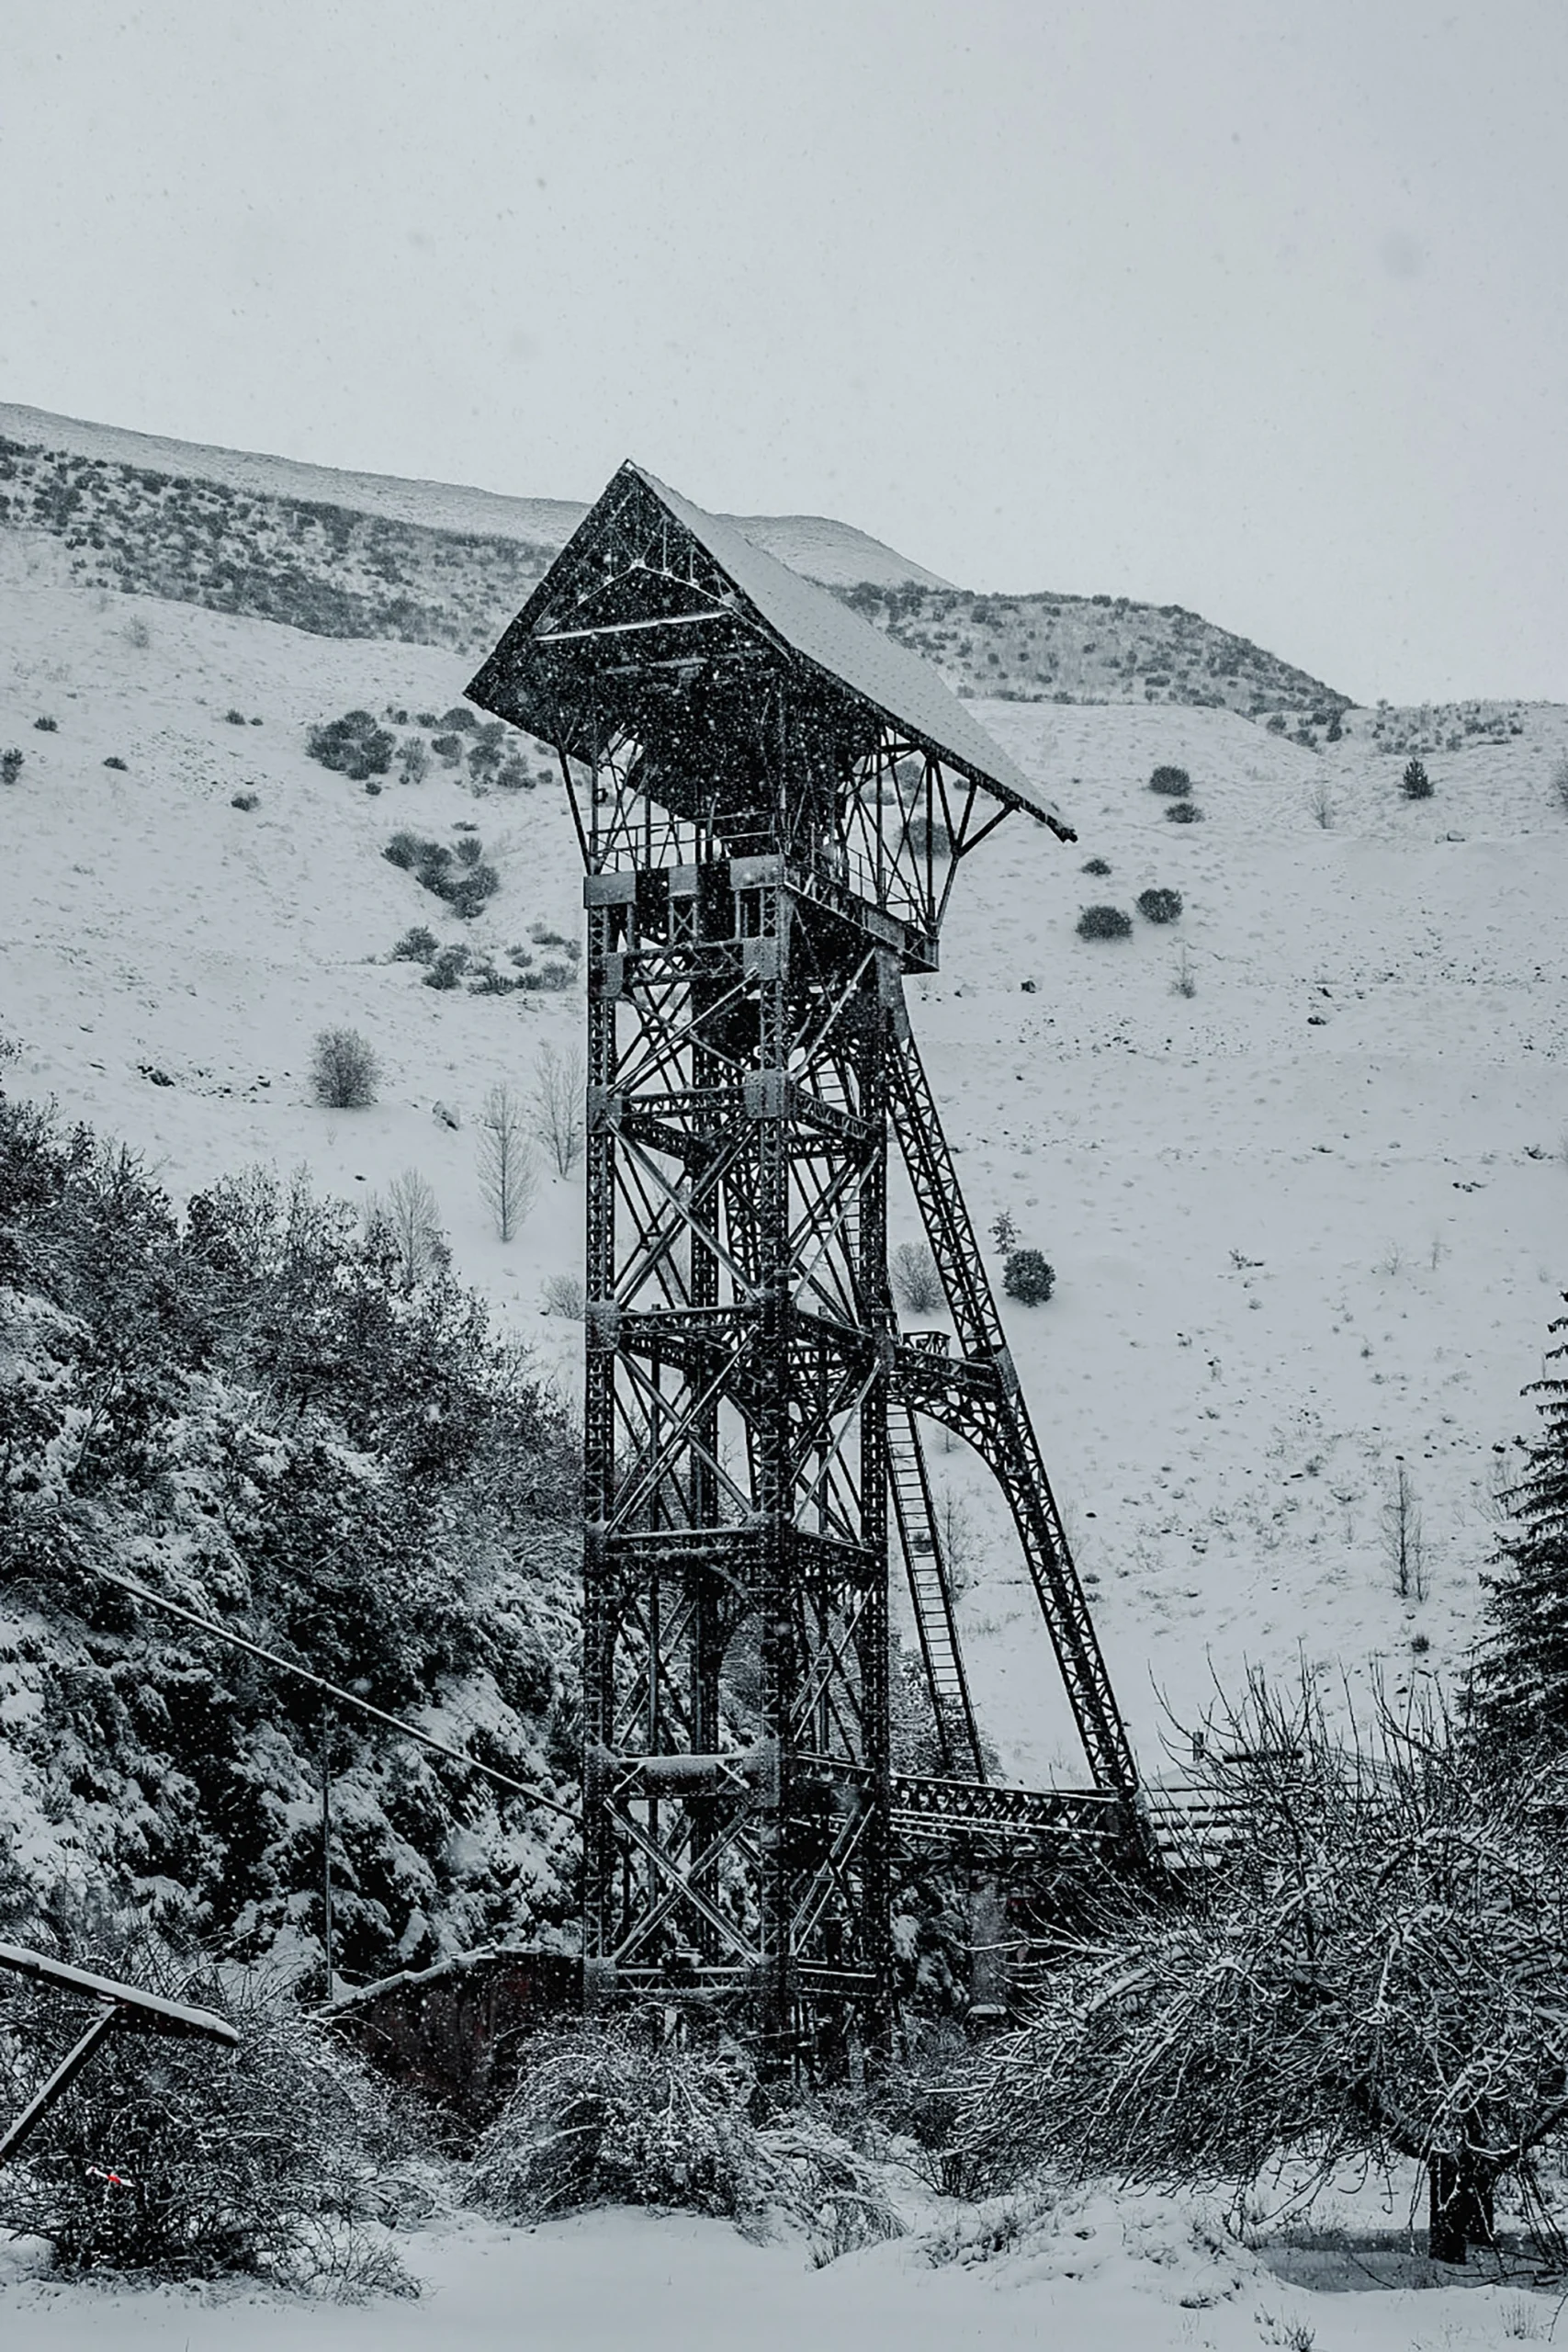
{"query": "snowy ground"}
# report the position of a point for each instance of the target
(1310, 1219)
(1136, 2274)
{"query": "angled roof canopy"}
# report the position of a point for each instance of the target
(573, 629)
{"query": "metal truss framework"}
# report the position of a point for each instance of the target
(767, 854)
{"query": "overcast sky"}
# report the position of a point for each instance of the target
(1251, 307)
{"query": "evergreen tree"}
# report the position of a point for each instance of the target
(1523, 1686)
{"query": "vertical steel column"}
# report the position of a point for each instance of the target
(606, 963)
(765, 953)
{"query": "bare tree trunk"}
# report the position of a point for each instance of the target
(1460, 2211)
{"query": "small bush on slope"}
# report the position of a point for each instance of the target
(1028, 1278)
(1159, 905)
(250, 1410)
(262, 2160)
(353, 744)
(344, 1070)
(1104, 922)
(466, 881)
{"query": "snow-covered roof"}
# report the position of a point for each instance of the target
(871, 663)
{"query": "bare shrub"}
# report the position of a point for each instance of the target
(507, 1177)
(1186, 980)
(414, 760)
(958, 1535)
(564, 1295)
(1320, 804)
(10, 766)
(1560, 781)
(168, 2158)
(1173, 783)
(557, 1108)
(345, 1072)
(916, 1285)
(1104, 922)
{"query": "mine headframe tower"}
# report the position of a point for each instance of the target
(773, 800)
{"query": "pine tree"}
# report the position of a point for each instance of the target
(1523, 1687)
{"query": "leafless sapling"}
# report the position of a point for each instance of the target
(412, 1220)
(506, 1165)
(1403, 1539)
(556, 1102)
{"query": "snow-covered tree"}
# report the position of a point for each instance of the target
(1374, 1970)
(1522, 1686)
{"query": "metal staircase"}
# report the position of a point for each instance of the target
(930, 1596)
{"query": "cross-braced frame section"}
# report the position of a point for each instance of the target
(738, 1350)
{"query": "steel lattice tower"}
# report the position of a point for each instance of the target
(771, 801)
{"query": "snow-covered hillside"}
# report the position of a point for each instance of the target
(1307, 1219)
(825, 550)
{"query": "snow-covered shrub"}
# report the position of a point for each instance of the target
(611, 2114)
(1185, 812)
(344, 1070)
(1559, 779)
(563, 1295)
(1100, 865)
(10, 766)
(1028, 1278)
(1369, 1970)
(1104, 922)
(245, 801)
(417, 946)
(1159, 905)
(1174, 782)
(176, 2158)
(916, 1285)
(1416, 784)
